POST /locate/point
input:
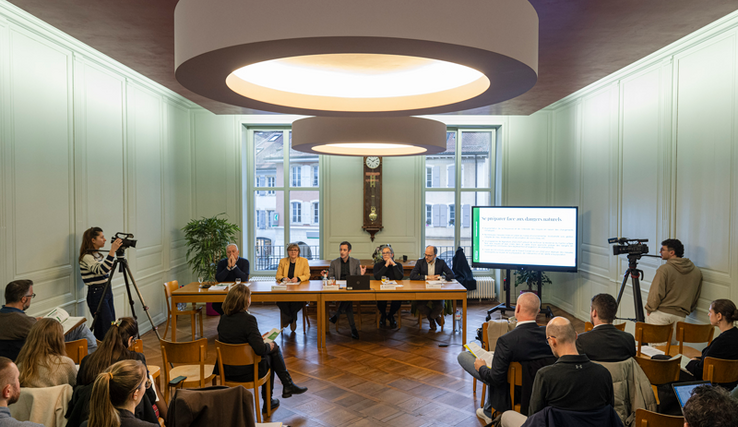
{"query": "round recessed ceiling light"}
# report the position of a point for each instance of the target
(348, 57)
(369, 136)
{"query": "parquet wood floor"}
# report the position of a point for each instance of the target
(402, 377)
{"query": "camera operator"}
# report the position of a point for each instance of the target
(675, 288)
(95, 269)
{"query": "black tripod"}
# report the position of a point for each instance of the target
(121, 261)
(635, 275)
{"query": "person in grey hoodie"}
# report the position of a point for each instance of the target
(675, 289)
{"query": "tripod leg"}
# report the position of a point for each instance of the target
(622, 286)
(143, 303)
(637, 302)
(128, 291)
(108, 285)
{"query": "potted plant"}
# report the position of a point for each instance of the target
(206, 244)
(531, 278)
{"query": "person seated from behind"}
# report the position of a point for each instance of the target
(116, 393)
(238, 326)
(391, 269)
(710, 406)
(605, 343)
(431, 268)
(43, 360)
(113, 349)
(15, 323)
(229, 269)
(10, 393)
(573, 383)
(294, 269)
(723, 314)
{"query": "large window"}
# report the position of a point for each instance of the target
(456, 180)
(285, 194)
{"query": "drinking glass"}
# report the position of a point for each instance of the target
(384, 279)
(332, 280)
(238, 280)
(199, 279)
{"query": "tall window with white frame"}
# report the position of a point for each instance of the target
(284, 210)
(457, 179)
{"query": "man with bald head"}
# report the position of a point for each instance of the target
(573, 383)
(524, 343)
(229, 269)
(9, 394)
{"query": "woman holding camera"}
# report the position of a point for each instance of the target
(95, 270)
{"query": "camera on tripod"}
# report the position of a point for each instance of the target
(628, 246)
(127, 240)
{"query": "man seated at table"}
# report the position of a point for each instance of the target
(15, 323)
(341, 268)
(229, 269)
(392, 270)
(605, 343)
(573, 383)
(431, 268)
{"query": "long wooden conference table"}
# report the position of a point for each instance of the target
(313, 291)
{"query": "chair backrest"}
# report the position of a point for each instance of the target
(192, 352)
(719, 371)
(588, 326)
(693, 333)
(236, 354)
(660, 371)
(76, 350)
(485, 338)
(514, 378)
(170, 287)
(646, 418)
(137, 346)
(648, 333)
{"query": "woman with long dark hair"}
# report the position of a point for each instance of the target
(723, 314)
(116, 393)
(95, 269)
(43, 360)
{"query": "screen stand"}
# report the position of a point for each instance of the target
(506, 306)
(547, 310)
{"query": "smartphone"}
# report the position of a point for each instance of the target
(175, 381)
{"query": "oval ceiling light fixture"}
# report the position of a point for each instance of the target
(369, 136)
(351, 57)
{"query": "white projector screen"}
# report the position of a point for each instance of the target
(534, 238)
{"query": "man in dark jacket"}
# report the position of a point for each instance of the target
(431, 268)
(605, 343)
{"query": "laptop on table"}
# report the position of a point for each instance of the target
(357, 283)
(684, 390)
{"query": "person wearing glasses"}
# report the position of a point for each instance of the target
(229, 269)
(293, 269)
(116, 393)
(431, 268)
(15, 324)
(392, 270)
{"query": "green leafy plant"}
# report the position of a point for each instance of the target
(530, 278)
(206, 243)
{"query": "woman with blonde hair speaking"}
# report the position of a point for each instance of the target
(293, 269)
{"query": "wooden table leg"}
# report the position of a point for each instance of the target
(174, 327)
(463, 322)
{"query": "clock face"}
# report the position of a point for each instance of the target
(372, 162)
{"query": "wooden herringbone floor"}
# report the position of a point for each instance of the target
(403, 377)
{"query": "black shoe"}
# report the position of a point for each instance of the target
(432, 324)
(275, 405)
(289, 389)
(392, 322)
(383, 320)
(334, 319)
(354, 334)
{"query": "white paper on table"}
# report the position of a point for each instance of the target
(434, 282)
(650, 351)
(341, 283)
(218, 288)
(390, 282)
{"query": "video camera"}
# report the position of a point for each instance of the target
(127, 240)
(628, 246)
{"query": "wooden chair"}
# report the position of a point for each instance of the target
(588, 326)
(357, 316)
(690, 333)
(76, 350)
(515, 378)
(187, 352)
(645, 418)
(485, 346)
(172, 310)
(648, 333)
(719, 371)
(243, 355)
(659, 372)
(155, 371)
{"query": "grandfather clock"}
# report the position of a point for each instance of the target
(372, 195)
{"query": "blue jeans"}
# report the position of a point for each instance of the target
(107, 309)
(82, 332)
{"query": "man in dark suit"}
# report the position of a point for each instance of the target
(229, 269)
(431, 268)
(605, 343)
(524, 343)
(341, 268)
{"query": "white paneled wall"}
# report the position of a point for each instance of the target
(86, 141)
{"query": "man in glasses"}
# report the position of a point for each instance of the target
(15, 323)
(431, 268)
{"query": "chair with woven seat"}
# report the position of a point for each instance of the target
(719, 371)
(172, 310)
(588, 326)
(649, 333)
(192, 357)
(646, 418)
(76, 350)
(243, 355)
(690, 333)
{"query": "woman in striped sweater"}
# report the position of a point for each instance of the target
(95, 269)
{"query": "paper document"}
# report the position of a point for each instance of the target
(218, 288)
(650, 351)
(68, 322)
(480, 353)
(341, 283)
(434, 282)
(271, 335)
(683, 362)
